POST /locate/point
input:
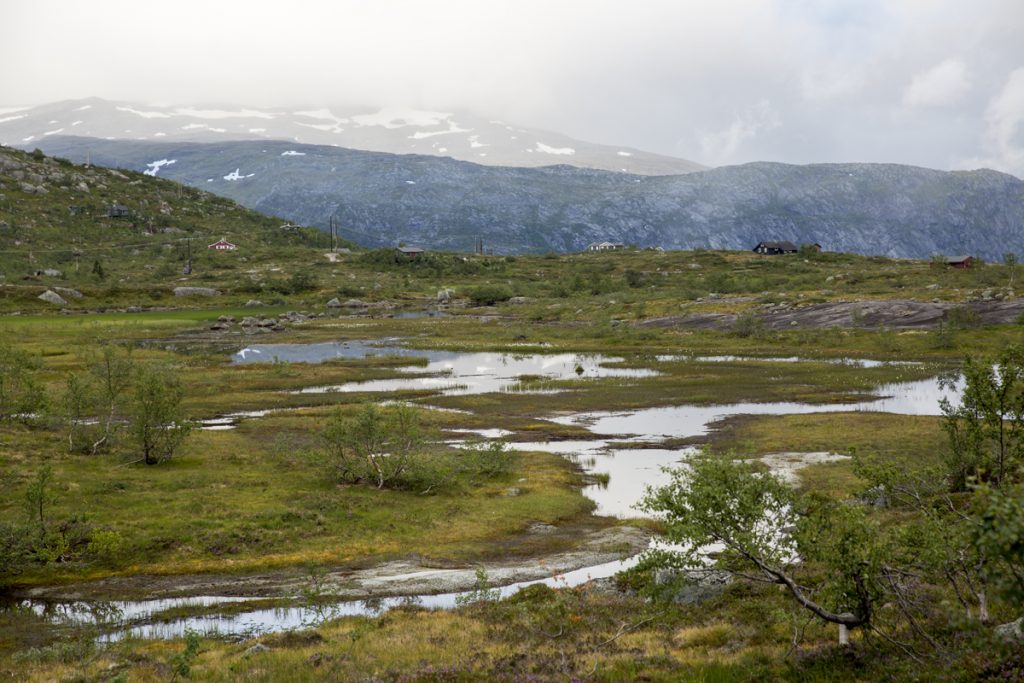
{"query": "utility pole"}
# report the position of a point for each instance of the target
(334, 234)
(187, 270)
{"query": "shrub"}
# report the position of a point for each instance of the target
(488, 295)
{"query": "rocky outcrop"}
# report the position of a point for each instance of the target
(895, 313)
(195, 291)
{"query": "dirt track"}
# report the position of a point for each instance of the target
(895, 313)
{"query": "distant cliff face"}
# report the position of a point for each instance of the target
(382, 199)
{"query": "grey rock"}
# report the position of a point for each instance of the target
(65, 291)
(134, 309)
(195, 291)
(82, 187)
(355, 303)
(220, 327)
(226, 319)
(254, 303)
(445, 295)
(520, 300)
(1012, 631)
(256, 649)
(52, 297)
(52, 272)
(334, 303)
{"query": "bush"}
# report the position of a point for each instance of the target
(488, 295)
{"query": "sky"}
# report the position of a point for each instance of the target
(937, 83)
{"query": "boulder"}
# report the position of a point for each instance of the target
(220, 327)
(52, 272)
(355, 303)
(66, 291)
(334, 303)
(254, 303)
(1011, 631)
(520, 300)
(249, 321)
(52, 297)
(444, 295)
(226, 319)
(256, 649)
(195, 291)
(82, 187)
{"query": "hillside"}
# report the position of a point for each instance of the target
(457, 135)
(383, 199)
(56, 232)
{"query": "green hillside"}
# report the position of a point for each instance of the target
(56, 230)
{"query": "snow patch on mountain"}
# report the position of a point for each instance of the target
(293, 153)
(83, 107)
(624, 154)
(399, 117)
(236, 175)
(224, 114)
(326, 127)
(12, 118)
(453, 127)
(257, 130)
(474, 141)
(54, 132)
(145, 114)
(561, 151)
(155, 166)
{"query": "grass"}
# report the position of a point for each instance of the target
(912, 441)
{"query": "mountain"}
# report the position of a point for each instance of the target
(400, 131)
(383, 199)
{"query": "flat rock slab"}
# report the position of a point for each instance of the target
(400, 577)
(895, 313)
(195, 291)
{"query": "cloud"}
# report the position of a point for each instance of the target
(940, 86)
(722, 146)
(1004, 133)
(863, 80)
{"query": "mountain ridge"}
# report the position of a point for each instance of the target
(459, 135)
(383, 199)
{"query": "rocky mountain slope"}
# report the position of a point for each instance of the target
(383, 199)
(401, 131)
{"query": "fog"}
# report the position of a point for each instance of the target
(937, 83)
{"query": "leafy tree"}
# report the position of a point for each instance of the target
(79, 404)
(21, 395)
(158, 424)
(38, 497)
(112, 372)
(97, 269)
(986, 429)
(717, 503)
(383, 447)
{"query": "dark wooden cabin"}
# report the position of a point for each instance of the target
(775, 248)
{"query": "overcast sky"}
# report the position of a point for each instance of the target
(937, 83)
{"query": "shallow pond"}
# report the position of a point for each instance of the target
(141, 619)
(461, 374)
(629, 470)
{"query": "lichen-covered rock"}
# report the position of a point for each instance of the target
(52, 297)
(66, 291)
(355, 303)
(195, 291)
(334, 303)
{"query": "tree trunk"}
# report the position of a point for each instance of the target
(983, 606)
(844, 635)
